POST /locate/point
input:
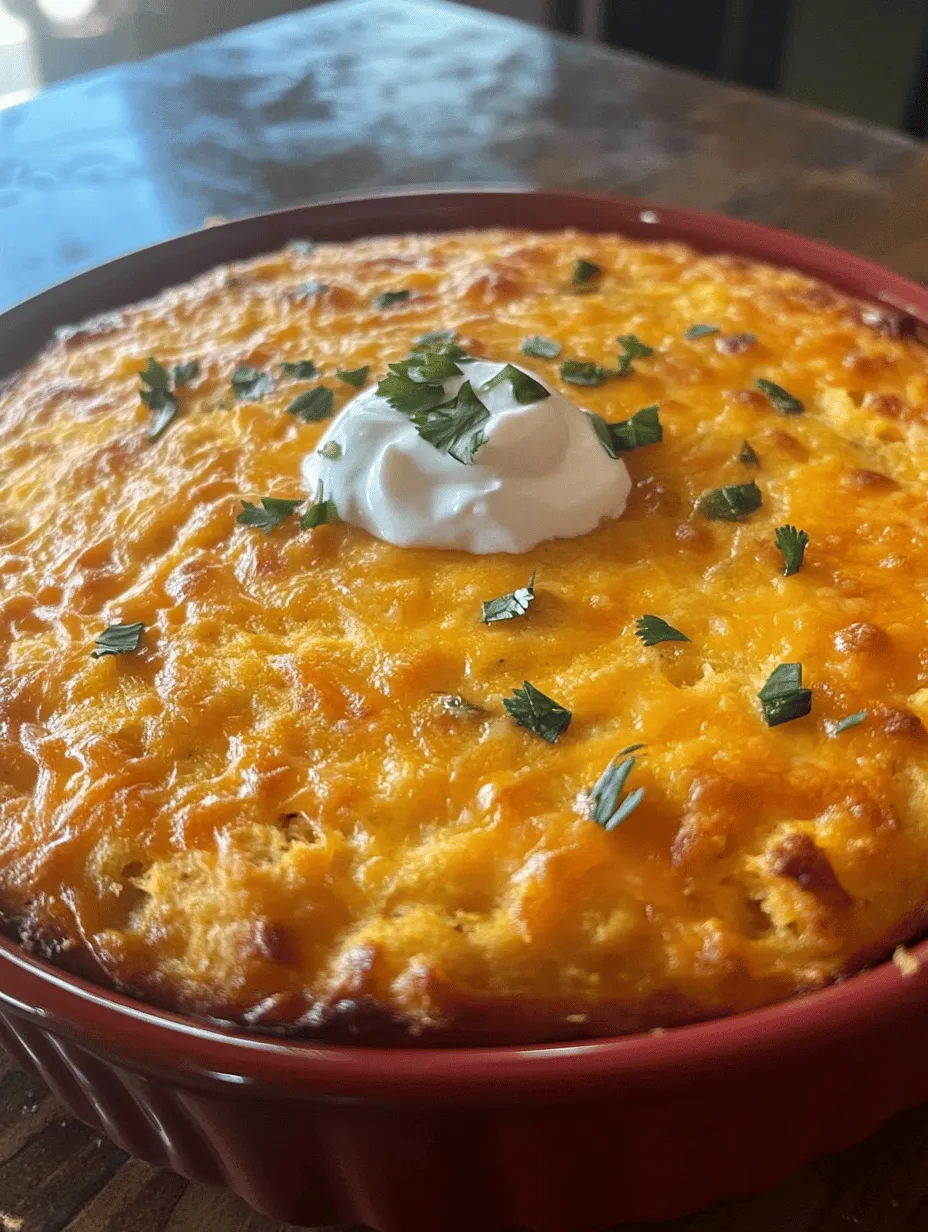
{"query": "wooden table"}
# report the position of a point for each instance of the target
(366, 95)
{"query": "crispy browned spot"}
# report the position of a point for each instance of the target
(818, 297)
(734, 344)
(798, 857)
(784, 442)
(701, 837)
(861, 637)
(273, 940)
(895, 722)
(890, 322)
(495, 286)
(689, 535)
(884, 404)
(864, 480)
(472, 345)
(749, 397)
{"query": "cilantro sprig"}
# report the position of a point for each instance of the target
(118, 639)
(160, 392)
(730, 503)
(301, 370)
(321, 512)
(415, 385)
(387, 299)
(272, 512)
(783, 698)
(508, 607)
(525, 388)
(779, 398)
(643, 428)
(584, 273)
(313, 405)
(652, 630)
(456, 705)
(605, 809)
(541, 348)
(792, 544)
(632, 348)
(539, 713)
(584, 372)
(355, 377)
(836, 727)
(251, 384)
(455, 427)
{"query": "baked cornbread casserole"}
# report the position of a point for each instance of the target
(259, 764)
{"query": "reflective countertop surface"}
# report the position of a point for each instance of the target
(369, 94)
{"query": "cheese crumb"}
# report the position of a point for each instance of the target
(905, 960)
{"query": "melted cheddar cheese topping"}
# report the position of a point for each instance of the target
(266, 815)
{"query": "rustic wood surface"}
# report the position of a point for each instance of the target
(365, 95)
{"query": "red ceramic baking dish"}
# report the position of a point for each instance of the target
(560, 1138)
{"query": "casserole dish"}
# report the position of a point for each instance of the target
(563, 1137)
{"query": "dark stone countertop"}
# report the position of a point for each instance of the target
(367, 94)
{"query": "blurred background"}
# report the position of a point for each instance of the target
(866, 58)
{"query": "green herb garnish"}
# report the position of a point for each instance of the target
(584, 273)
(160, 396)
(644, 428)
(605, 795)
(251, 384)
(792, 545)
(541, 348)
(320, 513)
(386, 299)
(584, 372)
(701, 331)
(783, 698)
(416, 384)
(632, 348)
(313, 405)
(355, 377)
(747, 455)
(455, 427)
(304, 248)
(454, 704)
(443, 340)
(525, 388)
(332, 450)
(652, 630)
(428, 367)
(302, 370)
(118, 639)
(852, 720)
(507, 607)
(273, 513)
(780, 399)
(730, 503)
(409, 396)
(540, 714)
(183, 373)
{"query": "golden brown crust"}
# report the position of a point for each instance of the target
(263, 818)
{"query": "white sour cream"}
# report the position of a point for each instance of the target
(542, 474)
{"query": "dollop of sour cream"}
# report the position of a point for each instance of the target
(542, 473)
